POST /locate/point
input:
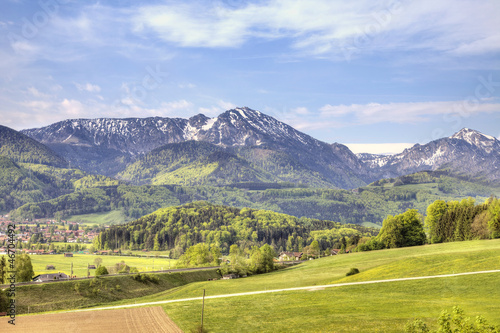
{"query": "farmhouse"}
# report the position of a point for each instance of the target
(50, 277)
(287, 256)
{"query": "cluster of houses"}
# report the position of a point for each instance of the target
(46, 231)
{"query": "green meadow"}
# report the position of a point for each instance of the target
(80, 261)
(383, 307)
(103, 218)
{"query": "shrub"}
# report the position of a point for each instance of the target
(101, 270)
(352, 271)
(455, 322)
(145, 278)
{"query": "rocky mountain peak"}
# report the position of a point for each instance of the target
(198, 120)
(485, 142)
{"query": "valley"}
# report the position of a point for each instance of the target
(236, 192)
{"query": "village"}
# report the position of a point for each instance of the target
(46, 236)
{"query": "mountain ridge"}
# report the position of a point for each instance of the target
(110, 145)
(465, 152)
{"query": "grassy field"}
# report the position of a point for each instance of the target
(382, 307)
(104, 218)
(85, 293)
(80, 261)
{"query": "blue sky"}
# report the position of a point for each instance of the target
(376, 75)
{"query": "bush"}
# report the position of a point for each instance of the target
(145, 278)
(455, 322)
(101, 270)
(352, 271)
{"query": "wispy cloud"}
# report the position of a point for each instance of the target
(406, 112)
(89, 87)
(323, 27)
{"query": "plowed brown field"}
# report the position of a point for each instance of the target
(151, 320)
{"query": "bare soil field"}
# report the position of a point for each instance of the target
(150, 319)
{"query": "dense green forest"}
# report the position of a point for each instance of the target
(22, 149)
(178, 228)
(135, 201)
(201, 163)
(21, 183)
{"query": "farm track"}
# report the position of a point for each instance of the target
(149, 319)
(310, 288)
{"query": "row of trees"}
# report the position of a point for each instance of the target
(445, 222)
(456, 221)
(255, 260)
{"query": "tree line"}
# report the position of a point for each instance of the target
(445, 222)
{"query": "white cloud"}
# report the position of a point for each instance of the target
(225, 105)
(323, 27)
(378, 148)
(89, 87)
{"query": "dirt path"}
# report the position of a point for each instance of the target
(292, 289)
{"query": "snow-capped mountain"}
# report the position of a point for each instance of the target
(107, 146)
(237, 127)
(487, 143)
(467, 151)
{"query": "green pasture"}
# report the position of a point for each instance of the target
(63, 244)
(103, 218)
(80, 261)
(384, 307)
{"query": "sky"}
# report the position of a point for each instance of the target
(377, 76)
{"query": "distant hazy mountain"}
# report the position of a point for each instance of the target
(467, 152)
(108, 146)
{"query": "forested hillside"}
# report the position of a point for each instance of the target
(22, 183)
(367, 204)
(203, 163)
(177, 228)
(23, 149)
(134, 201)
(192, 163)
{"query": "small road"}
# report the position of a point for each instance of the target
(291, 289)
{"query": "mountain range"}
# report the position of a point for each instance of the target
(243, 145)
(467, 152)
